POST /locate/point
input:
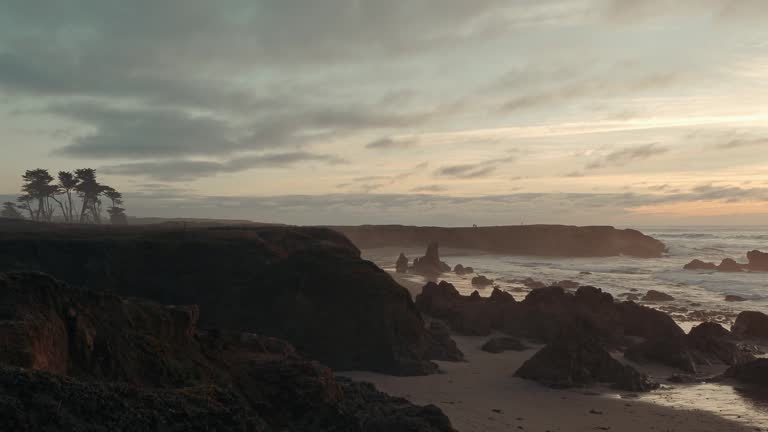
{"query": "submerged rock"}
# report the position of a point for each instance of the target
(734, 298)
(481, 281)
(657, 296)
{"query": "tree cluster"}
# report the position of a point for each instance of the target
(76, 195)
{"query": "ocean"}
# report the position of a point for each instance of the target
(693, 290)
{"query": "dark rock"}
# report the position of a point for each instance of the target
(734, 298)
(631, 296)
(144, 366)
(752, 373)
(576, 360)
(306, 285)
(715, 344)
(670, 352)
(700, 265)
(500, 296)
(684, 379)
(568, 284)
(468, 315)
(430, 264)
(501, 344)
(656, 296)
(533, 284)
(751, 325)
(401, 266)
(730, 266)
(461, 270)
(481, 281)
(469, 270)
(440, 346)
(758, 261)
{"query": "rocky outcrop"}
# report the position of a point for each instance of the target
(700, 265)
(498, 345)
(751, 373)
(713, 344)
(468, 315)
(402, 263)
(440, 346)
(751, 325)
(578, 360)
(758, 261)
(481, 281)
(306, 285)
(657, 296)
(430, 264)
(729, 265)
(672, 352)
(461, 270)
(134, 365)
(533, 240)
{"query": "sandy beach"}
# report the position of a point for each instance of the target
(481, 395)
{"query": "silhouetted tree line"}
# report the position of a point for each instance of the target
(77, 195)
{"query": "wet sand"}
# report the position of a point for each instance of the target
(481, 395)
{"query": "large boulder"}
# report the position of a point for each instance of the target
(578, 360)
(714, 344)
(430, 264)
(498, 345)
(751, 373)
(670, 352)
(751, 325)
(306, 285)
(440, 346)
(758, 261)
(481, 281)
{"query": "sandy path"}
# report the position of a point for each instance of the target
(482, 395)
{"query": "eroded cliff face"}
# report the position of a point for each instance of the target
(305, 285)
(534, 240)
(74, 359)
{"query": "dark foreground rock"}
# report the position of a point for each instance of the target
(134, 365)
(306, 285)
(576, 360)
(533, 240)
(752, 373)
(481, 281)
(751, 325)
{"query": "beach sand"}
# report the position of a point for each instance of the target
(482, 395)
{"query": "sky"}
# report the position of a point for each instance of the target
(428, 112)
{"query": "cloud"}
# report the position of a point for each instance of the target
(473, 170)
(182, 170)
(390, 143)
(429, 188)
(627, 155)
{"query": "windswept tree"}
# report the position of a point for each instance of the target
(116, 213)
(37, 186)
(67, 185)
(89, 190)
(10, 211)
(25, 203)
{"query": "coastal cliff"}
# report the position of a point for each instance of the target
(305, 285)
(533, 240)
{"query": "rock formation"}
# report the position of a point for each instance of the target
(729, 265)
(751, 325)
(657, 296)
(305, 285)
(430, 264)
(758, 261)
(73, 359)
(532, 240)
(402, 263)
(753, 373)
(461, 270)
(578, 360)
(481, 281)
(700, 265)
